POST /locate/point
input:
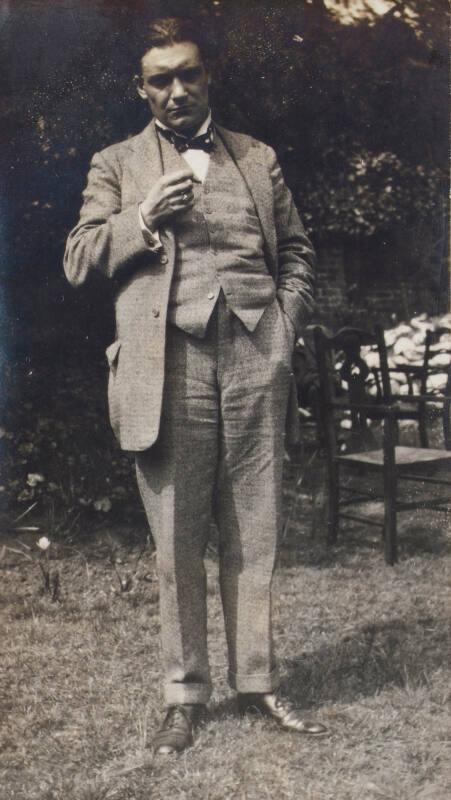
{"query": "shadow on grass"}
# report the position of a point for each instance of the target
(419, 534)
(371, 658)
(426, 539)
(225, 708)
(396, 654)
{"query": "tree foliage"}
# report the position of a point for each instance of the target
(324, 94)
(357, 113)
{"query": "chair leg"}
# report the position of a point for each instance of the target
(390, 487)
(333, 500)
(422, 427)
(447, 416)
(390, 538)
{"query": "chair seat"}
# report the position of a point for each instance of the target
(405, 409)
(404, 456)
(349, 400)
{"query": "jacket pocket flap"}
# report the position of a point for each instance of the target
(112, 352)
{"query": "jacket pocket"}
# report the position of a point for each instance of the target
(112, 353)
(289, 329)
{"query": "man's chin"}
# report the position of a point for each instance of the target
(185, 127)
(184, 123)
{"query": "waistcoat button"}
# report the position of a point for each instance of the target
(163, 259)
(155, 312)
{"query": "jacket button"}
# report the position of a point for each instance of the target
(163, 259)
(155, 312)
(211, 296)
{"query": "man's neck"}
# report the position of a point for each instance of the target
(202, 129)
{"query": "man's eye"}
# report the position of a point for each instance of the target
(185, 76)
(158, 81)
(190, 75)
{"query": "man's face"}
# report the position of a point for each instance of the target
(175, 83)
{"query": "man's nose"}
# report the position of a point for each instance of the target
(178, 89)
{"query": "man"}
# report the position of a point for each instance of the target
(213, 272)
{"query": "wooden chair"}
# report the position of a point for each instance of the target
(412, 406)
(417, 403)
(447, 412)
(361, 456)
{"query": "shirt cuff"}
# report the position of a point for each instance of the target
(151, 238)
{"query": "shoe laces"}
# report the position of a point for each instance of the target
(283, 705)
(176, 717)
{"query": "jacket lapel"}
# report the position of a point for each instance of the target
(146, 166)
(248, 159)
(145, 161)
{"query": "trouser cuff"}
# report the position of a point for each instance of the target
(250, 684)
(186, 693)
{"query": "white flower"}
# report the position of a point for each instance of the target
(346, 424)
(104, 504)
(84, 501)
(43, 543)
(34, 478)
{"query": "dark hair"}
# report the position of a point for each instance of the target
(166, 31)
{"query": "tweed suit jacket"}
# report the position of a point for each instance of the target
(108, 239)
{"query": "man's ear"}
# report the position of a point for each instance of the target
(138, 81)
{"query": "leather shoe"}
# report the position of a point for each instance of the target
(176, 732)
(282, 711)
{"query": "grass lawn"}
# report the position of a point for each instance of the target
(363, 647)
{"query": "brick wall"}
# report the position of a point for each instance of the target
(330, 281)
(348, 291)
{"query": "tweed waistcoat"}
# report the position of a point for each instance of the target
(219, 246)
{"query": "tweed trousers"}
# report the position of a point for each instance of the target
(219, 456)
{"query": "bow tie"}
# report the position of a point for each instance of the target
(182, 144)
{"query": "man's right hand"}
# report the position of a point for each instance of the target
(169, 196)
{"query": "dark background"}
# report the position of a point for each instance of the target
(357, 114)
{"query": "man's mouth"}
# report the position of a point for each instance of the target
(180, 110)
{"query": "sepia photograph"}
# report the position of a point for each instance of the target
(225, 400)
